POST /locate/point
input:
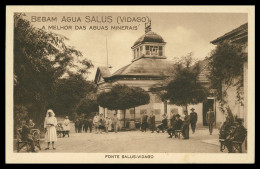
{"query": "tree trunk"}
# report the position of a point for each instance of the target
(165, 107)
(124, 117)
(134, 113)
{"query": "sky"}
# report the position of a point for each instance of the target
(183, 33)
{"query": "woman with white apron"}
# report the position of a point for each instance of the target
(50, 130)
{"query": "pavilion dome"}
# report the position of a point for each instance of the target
(149, 37)
(146, 67)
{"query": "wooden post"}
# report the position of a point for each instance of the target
(124, 117)
(165, 107)
(134, 113)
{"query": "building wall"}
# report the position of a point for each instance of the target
(231, 98)
(245, 93)
(158, 107)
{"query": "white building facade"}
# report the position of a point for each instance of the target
(148, 68)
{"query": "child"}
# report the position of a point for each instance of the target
(107, 124)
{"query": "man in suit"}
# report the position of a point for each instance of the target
(144, 121)
(80, 125)
(77, 125)
(85, 127)
(90, 123)
(152, 121)
(193, 120)
(186, 124)
(115, 123)
(26, 134)
(210, 117)
(238, 134)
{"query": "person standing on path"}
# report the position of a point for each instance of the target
(49, 126)
(80, 125)
(186, 124)
(107, 124)
(193, 120)
(90, 123)
(210, 117)
(102, 123)
(144, 121)
(115, 123)
(96, 123)
(66, 126)
(77, 125)
(170, 119)
(152, 121)
(85, 124)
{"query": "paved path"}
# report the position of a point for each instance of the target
(135, 142)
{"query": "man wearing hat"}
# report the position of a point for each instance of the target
(115, 123)
(193, 120)
(210, 117)
(186, 124)
(96, 123)
(152, 121)
(144, 121)
(102, 122)
(238, 134)
(66, 126)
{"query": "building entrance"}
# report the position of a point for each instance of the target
(209, 103)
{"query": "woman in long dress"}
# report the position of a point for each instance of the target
(186, 124)
(49, 126)
(66, 126)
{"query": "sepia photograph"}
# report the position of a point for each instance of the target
(130, 86)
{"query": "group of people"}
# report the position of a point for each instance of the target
(50, 124)
(101, 123)
(174, 122)
(83, 124)
(105, 124)
(232, 131)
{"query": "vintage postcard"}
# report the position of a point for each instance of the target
(130, 84)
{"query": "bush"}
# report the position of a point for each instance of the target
(20, 115)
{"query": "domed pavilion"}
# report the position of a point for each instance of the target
(148, 68)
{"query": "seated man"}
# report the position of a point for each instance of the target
(225, 130)
(172, 128)
(238, 134)
(163, 125)
(178, 124)
(26, 134)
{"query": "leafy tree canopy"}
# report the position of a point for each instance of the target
(88, 105)
(70, 92)
(184, 87)
(40, 59)
(122, 97)
(226, 64)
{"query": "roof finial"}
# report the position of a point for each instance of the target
(148, 26)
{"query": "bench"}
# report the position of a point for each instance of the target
(60, 131)
(222, 144)
(236, 145)
(21, 143)
(178, 133)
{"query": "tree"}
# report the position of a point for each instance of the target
(20, 116)
(184, 88)
(122, 97)
(40, 59)
(226, 66)
(72, 93)
(88, 105)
